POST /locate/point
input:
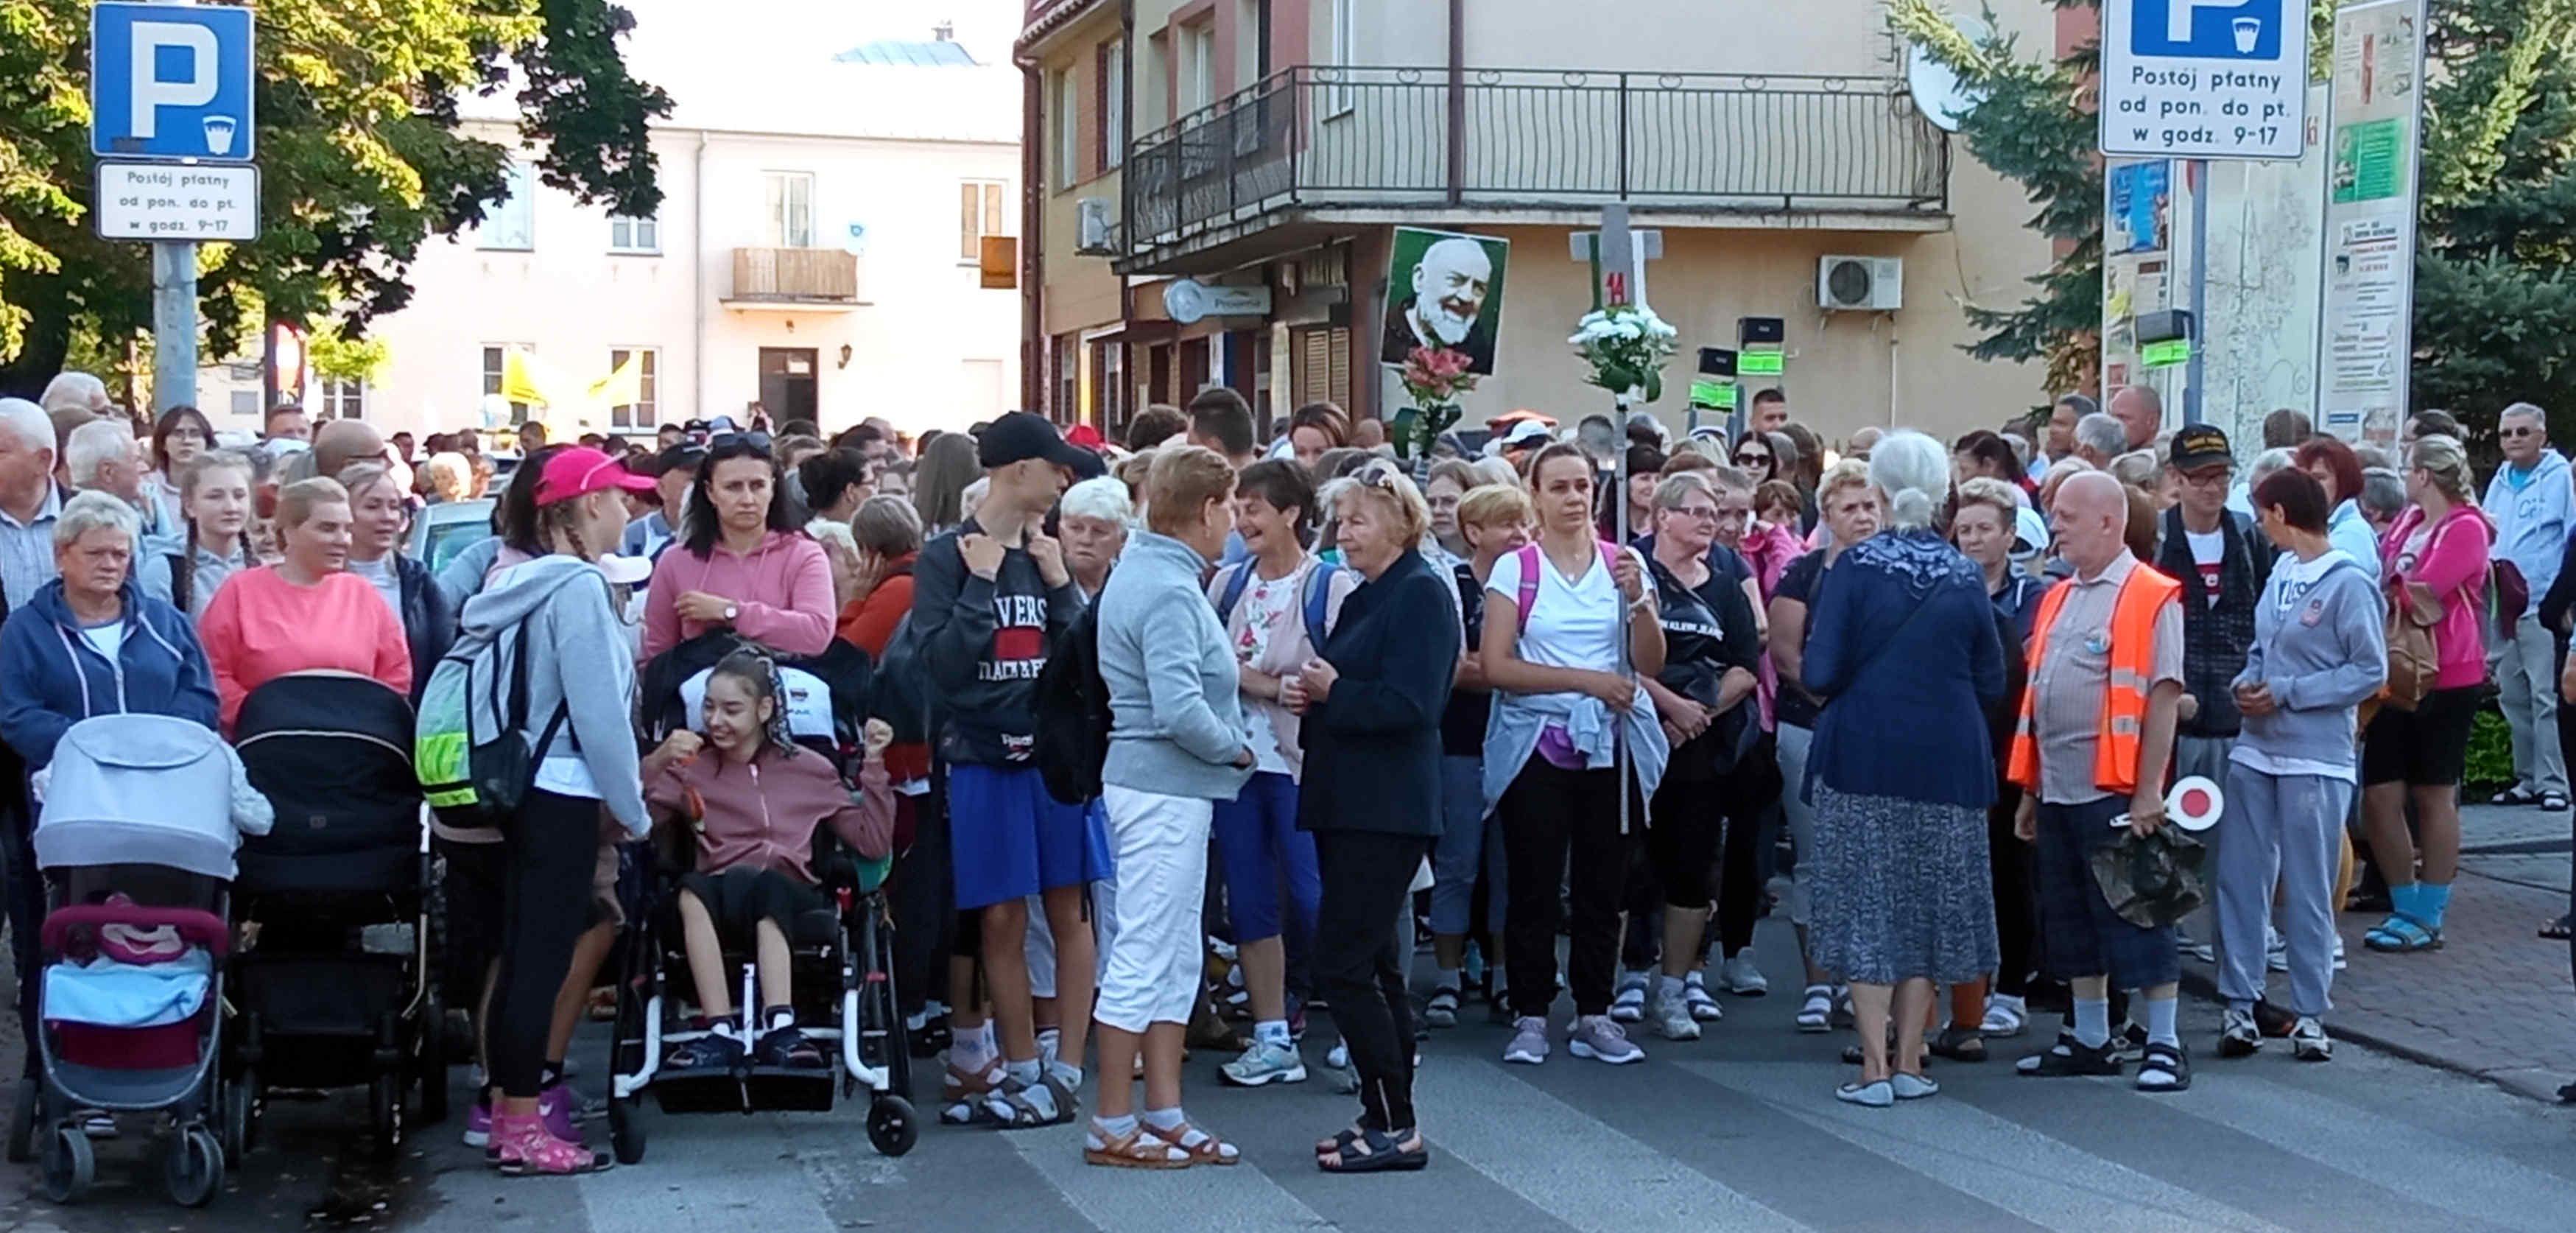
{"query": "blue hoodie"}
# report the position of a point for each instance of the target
(2533, 518)
(52, 677)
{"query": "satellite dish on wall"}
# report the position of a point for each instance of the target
(1937, 91)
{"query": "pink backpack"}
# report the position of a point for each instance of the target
(1529, 559)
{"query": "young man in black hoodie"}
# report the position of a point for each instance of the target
(988, 600)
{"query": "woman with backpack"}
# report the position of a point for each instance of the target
(1277, 608)
(213, 543)
(1569, 626)
(2439, 545)
(580, 736)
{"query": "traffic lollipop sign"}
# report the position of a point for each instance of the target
(2195, 803)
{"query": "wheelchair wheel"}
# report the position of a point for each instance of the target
(892, 1127)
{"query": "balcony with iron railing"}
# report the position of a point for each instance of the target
(1330, 138)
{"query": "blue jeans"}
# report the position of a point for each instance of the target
(1461, 847)
(1262, 851)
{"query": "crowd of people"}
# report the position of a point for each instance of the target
(1344, 704)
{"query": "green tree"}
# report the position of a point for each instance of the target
(361, 151)
(2495, 258)
(2034, 125)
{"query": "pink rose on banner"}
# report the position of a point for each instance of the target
(1433, 377)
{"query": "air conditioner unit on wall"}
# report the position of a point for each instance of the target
(1870, 284)
(1092, 227)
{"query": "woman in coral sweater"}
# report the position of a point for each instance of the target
(306, 612)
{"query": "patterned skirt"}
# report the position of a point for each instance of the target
(1902, 890)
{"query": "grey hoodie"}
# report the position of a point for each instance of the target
(578, 657)
(2318, 642)
(1176, 722)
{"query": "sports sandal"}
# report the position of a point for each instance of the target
(961, 1095)
(2069, 1057)
(711, 1052)
(1959, 1044)
(1203, 1148)
(2165, 1068)
(527, 1149)
(2400, 934)
(1132, 1150)
(1442, 1010)
(2558, 930)
(1011, 1108)
(1817, 1011)
(1376, 1152)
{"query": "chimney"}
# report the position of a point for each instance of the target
(945, 31)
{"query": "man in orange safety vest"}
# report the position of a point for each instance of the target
(2096, 735)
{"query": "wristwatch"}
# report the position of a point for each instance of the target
(732, 611)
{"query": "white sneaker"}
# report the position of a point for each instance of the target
(1673, 1019)
(2309, 1042)
(1529, 1042)
(1338, 1057)
(1741, 978)
(1600, 1038)
(2006, 1015)
(1263, 1064)
(1629, 1004)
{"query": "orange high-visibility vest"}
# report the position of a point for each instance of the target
(2124, 697)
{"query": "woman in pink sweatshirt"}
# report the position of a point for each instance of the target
(743, 561)
(306, 612)
(2441, 543)
(755, 800)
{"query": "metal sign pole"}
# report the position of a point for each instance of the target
(174, 324)
(1619, 266)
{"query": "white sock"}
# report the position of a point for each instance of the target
(2160, 1021)
(1048, 1040)
(1669, 987)
(1117, 1127)
(972, 1051)
(1448, 978)
(1165, 1119)
(2093, 1022)
(1270, 1032)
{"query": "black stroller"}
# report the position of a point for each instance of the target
(844, 958)
(336, 973)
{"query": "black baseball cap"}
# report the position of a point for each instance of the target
(2200, 446)
(1023, 435)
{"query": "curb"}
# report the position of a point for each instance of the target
(2532, 1085)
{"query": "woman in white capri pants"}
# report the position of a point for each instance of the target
(1176, 745)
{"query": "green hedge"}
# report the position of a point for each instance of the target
(2490, 752)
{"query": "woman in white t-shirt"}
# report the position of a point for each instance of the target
(1269, 605)
(1567, 717)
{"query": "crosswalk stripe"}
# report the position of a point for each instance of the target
(2010, 1166)
(741, 1171)
(2416, 1163)
(1192, 1200)
(1622, 1183)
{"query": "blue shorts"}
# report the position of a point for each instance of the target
(2079, 933)
(1260, 847)
(1009, 840)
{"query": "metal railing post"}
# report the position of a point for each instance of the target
(1623, 136)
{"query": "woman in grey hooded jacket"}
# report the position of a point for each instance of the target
(2319, 651)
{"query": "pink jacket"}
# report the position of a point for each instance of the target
(1768, 550)
(260, 627)
(763, 815)
(784, 589)
(2453, 563)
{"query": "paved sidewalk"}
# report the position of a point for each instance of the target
(2495, 1002)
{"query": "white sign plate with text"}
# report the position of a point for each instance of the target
(2204, 78)
(205, 202)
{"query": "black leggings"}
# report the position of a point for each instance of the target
(2009, 859)
(1360, 962)
(1681, 840)
(553, 846)
(1561, 828)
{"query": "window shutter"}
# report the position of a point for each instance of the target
(1338, 359)
(1100, 110)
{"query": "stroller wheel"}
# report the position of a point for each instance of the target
(70, 1165)
(22, 1121)
(385, 1102)
(241, 1117)
(194, 1167)
(626, 1130)
(892, 1126)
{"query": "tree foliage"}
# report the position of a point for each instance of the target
(2495, 263)
(2034, 125)
(361, 151)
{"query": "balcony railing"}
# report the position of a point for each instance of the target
(795, 275)
(1324, 136)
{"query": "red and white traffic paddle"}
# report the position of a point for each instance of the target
(2194, 804)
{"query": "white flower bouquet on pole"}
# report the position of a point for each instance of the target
(1626, 345)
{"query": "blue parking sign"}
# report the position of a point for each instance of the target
(171, 81)
(2209, 29)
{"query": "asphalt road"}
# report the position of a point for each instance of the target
(1737, 1131)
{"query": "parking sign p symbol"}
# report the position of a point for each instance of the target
(153, 91)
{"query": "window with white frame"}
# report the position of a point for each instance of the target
(980, 212)
(1113, 105)
(343, 399)
(496, 368)
(791, 209)
(645, 411)
(1198, 64)
(1338, 97)
(1068, 130)
(634, 235)
(511, 222)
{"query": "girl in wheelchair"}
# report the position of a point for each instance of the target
(753, 799)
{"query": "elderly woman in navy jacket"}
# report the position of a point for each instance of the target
(92, 643)
(1373, 702)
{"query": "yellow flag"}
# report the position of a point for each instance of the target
(522, 380)
(623, 387)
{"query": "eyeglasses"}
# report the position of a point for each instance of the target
(2518, 433)
(1697, 513)
(1753, 458)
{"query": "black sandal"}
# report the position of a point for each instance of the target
(2167, 1063)
(2561, 929)
(1377, 1154)
(1959, 1044)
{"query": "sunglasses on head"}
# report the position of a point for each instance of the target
(753, 440)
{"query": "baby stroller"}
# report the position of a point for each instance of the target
(843, 958)
(337, 971)
(136, 844)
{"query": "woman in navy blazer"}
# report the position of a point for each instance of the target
(1373, 704)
